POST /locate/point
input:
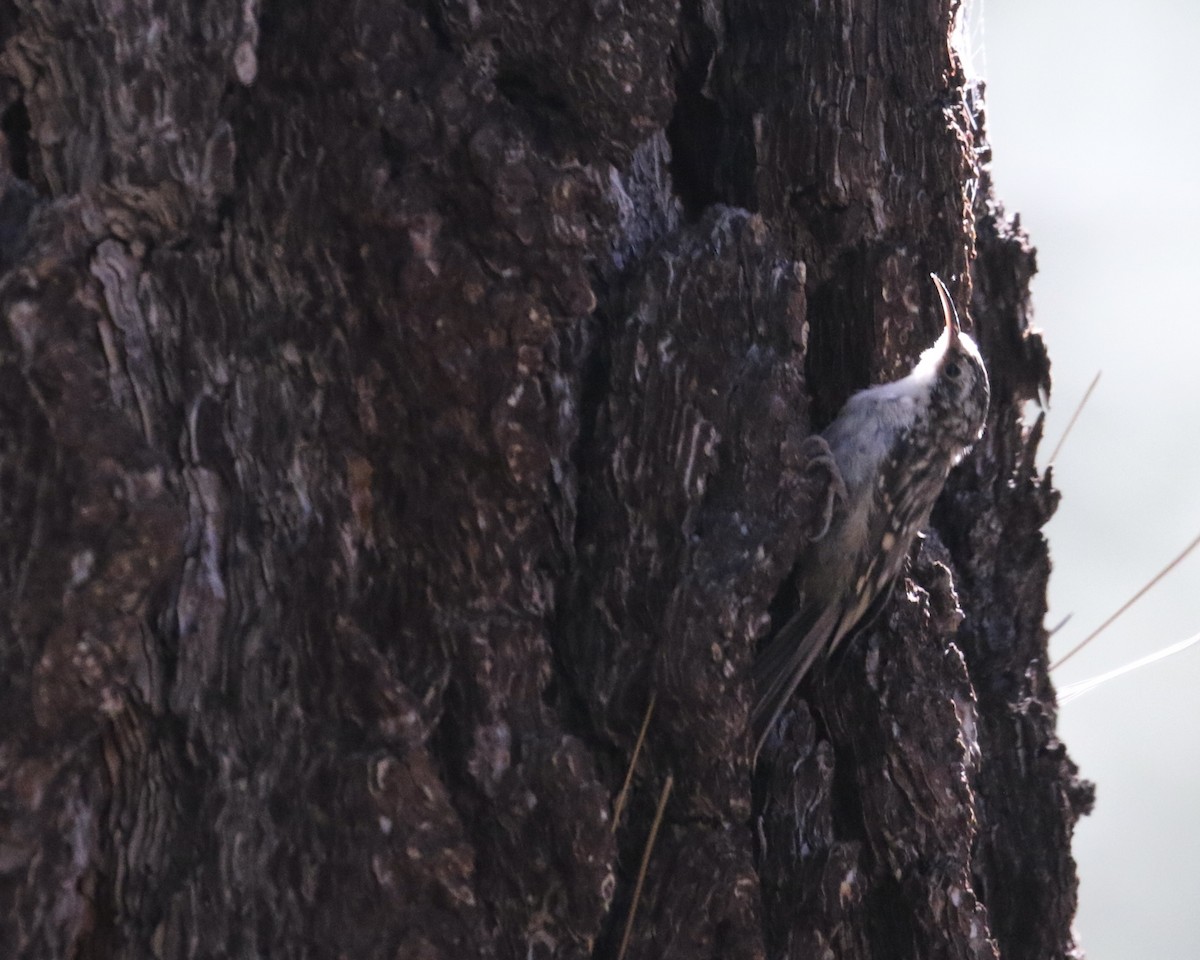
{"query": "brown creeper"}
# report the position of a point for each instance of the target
(893, 446)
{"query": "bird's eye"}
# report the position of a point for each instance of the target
(953, 370)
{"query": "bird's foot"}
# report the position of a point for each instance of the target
(820, 465)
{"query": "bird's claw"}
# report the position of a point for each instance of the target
(818, 459)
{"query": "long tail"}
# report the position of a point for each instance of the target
(784, 663)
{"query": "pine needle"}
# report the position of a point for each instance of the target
(1126, 605)
(1058, 626)
(641, 877)
(1075, 416)
(623, 796)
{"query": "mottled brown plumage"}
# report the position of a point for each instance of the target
(893, 446)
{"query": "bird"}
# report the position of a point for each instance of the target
(889, 452)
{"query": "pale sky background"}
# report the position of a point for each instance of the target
(1093, 119)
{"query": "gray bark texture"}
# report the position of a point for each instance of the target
(396, 398)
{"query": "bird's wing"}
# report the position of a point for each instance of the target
(791, 653)
(783, 664)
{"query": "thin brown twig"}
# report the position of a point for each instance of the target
(1075, 416)
(623, 796)
(1126, 605)
(645, 865)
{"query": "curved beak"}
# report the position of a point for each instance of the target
(951, 315)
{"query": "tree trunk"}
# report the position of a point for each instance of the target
(397, 399)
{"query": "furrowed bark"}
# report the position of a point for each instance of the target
(394, 398)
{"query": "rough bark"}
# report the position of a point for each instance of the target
(396, 397)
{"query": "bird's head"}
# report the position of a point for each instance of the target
(958, 379)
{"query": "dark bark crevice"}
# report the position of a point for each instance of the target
(14, 123)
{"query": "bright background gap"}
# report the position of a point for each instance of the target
(1095, 141)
